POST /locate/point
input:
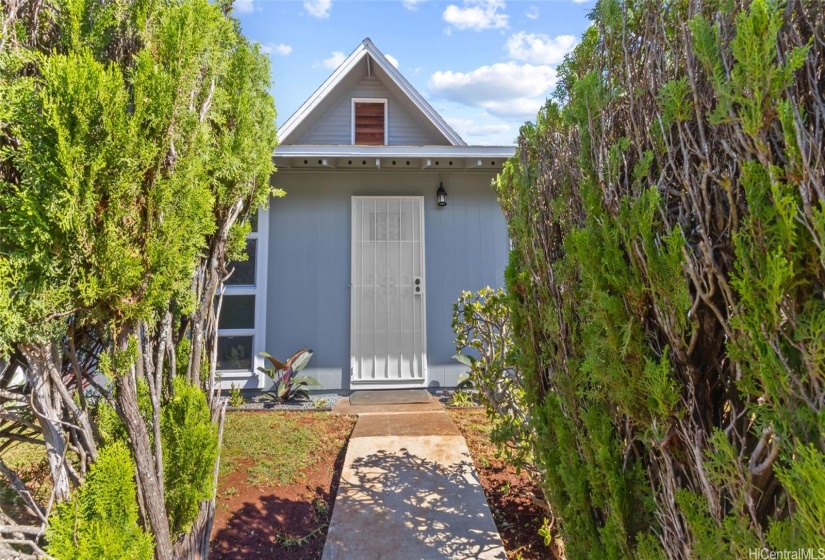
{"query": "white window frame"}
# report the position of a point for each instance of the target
(386, 116)
(258, 332)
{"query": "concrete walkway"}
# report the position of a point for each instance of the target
(409, 490)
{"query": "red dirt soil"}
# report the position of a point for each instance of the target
(257, 523)
(509, 495)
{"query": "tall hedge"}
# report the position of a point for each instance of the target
(666, 282)
(136, 143)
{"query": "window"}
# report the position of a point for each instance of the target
(237, 312)
(369, 122)
(235, 353)
(241, 325)
(244, 273)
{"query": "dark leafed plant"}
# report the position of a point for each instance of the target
(286, 386)
(667, 213)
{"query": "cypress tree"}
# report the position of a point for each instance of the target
(666, 280)
(135, 143)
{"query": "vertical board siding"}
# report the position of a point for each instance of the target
(335, 127)
(308, 300)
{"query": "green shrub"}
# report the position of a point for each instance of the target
(666, 281)
(101, 520)
(481, 322)
(190, 448)
(235, 396)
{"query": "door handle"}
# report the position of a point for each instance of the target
(419, 285)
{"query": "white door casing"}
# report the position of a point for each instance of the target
(388, 291)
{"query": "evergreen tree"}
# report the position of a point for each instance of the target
(668, 221)
(135, 143)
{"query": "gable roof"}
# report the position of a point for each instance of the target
(368, 49)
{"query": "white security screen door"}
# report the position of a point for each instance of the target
(388, 290)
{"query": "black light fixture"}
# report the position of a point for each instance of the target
(441, 195)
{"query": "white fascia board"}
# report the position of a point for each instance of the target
(394, 151)
(419, 101)
(323, 90)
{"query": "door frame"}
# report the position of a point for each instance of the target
(388, 383)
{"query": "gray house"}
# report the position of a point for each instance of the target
(388, 216)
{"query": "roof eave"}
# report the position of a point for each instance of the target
(395, 158)
(393, 151)
(422, 104)
(327, 86)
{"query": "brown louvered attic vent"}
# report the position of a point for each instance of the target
(369, 123)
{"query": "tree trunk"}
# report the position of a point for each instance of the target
(210, 280)
(152, 492)
(48, 411)
(195, 544)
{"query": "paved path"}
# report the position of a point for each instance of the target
(409, 491)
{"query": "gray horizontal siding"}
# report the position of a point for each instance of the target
(335, 127)
(308, 293)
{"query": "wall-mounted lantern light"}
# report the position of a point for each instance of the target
(441, 195)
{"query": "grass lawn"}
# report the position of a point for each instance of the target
(29, 462)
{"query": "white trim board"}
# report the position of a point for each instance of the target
(499, 152)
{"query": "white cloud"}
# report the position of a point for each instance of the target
(412, 5)
(532, 12)
(539, 49)
(521, 109)
(281, 49)
(334, 61)
(506, 89)
(392, 59)
(318, 8)
(580, 1)
(469, 128)
(477, 15)
(243, 6)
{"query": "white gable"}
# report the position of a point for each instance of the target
(325, 118)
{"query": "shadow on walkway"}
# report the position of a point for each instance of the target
(413, 498)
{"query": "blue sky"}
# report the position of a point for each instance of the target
(485, 65)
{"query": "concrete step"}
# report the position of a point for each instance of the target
(344, 406)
